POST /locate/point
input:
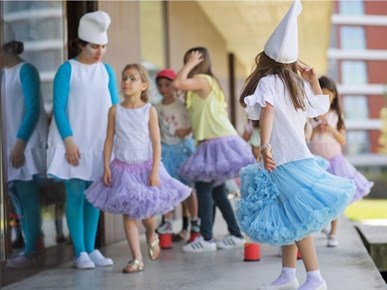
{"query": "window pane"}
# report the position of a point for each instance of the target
(357, 142)
(352, 37)
(354, 72)
(352, 7)
(355, 107)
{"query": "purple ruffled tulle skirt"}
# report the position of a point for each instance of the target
(340, 166)
(130, 194)
(217, 160)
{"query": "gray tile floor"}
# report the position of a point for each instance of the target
(347, 267)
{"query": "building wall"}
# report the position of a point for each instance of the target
(375, 7)
(123, 48)
(189, 27)
(376, 37)
(124, 33)
(240, 77)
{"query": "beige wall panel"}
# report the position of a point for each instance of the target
(240, 113)
(124, 48)
(190, 27)
(124, 33)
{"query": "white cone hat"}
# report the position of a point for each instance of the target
(282, 46)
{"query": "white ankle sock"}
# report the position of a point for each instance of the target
(313, 280)
(287, 275)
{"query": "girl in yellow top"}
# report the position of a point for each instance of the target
(220, 155)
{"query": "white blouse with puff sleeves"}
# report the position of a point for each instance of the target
(287, 138)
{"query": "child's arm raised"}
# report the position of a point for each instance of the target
(108, 146)
(184, 83)
(309, 74)
(154, 179)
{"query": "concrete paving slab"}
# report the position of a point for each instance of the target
(347, 267)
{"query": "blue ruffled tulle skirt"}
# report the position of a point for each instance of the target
(340, 166)
(216, 160)
(293, 201)
(322, 162)
(173, 156)
(130, 194)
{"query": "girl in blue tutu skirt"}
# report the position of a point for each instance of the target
(135, 184)
(328, 136)
(287, 196)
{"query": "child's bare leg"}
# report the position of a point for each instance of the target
(332, 239)
(151, 237)
(309, 258)
(169, 216)
(289, 256)
(192, 206)
(133, 237)
(288, 272)
(333, 228)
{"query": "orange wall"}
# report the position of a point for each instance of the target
(375, 7)
(376, 36)
(190, 27)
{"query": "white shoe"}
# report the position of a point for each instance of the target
(293, 285)
(332, 241)
(83, 262)
(99, 260)
(230, 242)
(199, 245)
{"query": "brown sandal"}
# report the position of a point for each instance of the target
(133, 266)
(154, 248)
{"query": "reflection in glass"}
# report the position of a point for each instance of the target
(32, 48)
(26, 133)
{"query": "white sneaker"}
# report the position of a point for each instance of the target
(83, 262)
(199, 245)
(293, 285)
(332, 241)
(99, 260)
(230, 242)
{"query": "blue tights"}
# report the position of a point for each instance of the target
(26, 200)
(82, 216)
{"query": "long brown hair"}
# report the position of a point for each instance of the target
(329, 84)
(202, 68)
(288, 73)
(142, 71)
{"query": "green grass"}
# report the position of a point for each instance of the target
(367, 209)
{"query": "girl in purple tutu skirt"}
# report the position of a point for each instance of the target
(220, 154)
(327, 138)
(135, 184)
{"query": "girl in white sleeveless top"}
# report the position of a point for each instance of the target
(135, 183)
